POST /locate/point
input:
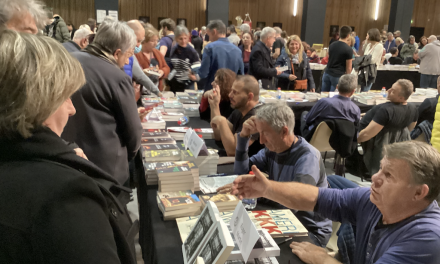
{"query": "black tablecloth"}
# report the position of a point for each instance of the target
(163, 242)
(383, 78)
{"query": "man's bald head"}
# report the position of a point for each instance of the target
(138, 29)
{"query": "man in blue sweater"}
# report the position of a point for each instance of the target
(218, 54)
(397, 220)
(285, 158)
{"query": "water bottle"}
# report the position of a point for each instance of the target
(336, 90)
(249, 203)
(279, 93)
(384, 92)
(183, 121)
(260, 84)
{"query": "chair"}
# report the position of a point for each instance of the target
(320, 139)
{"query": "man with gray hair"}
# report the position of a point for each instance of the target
(218, 54)
(339, 106)
(106, 125)
(430, 63)
(261, 65)
(80, 41)
(22, 15)
(286, 158)
(397, 219)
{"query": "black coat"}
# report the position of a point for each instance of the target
(261, 65)
(52, 209)
(344, 136)
(198, 44)
(106, 124)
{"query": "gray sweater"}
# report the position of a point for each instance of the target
(430, 59)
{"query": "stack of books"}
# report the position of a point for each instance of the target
(224, 202)
(157, 141)
(173, 107)
(191, 110)
(207, 162)
(178, 204)
(266, 98)
(173, 117)
(167, 94)
(178, 133)
(154, 124)
(161, 152)
(173, 175)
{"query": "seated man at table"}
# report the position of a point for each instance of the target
(397, 220)
(285, 158)
(387, 123)
(244, 99)
(395, 59)
(338, 107)
(412, 60)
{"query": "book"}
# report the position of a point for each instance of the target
(155, 141)
(171, 215)
(172, 201)
(219, 245)
(203, 226)
(155, 135)
(224, 202)
(278, 223)
(271, 260)
(153, 130)
(211, 184)
(160, 147)
(162, 155)
(264, 248)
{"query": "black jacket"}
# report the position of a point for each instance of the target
(106, 124)
(52, 208)
(261, 65)
(344, 136)
(198, 44)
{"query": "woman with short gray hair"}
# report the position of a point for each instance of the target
(184, 62)
(52, 205)
(22, 15)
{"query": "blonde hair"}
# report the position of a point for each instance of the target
(150, 32)
(301, 48)
(400, 40)
(352, 41)
(38, 76)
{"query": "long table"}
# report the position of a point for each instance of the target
(160, 240)
(383, 78)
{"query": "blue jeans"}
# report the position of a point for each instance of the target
(329, 83)
(428, 81)
(366, 88)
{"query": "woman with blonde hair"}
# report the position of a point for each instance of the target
(298, 76)
(52, 204)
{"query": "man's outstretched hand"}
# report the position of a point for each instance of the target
(251, 186)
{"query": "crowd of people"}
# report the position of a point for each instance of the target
(70, 132)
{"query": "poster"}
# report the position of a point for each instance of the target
(100, 15)
(113, 14)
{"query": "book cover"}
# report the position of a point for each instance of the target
(158, 155)
(155, 135)
(219, 245)
(278, 223)
(146, 130)
(155, 141)
(219, 199)
(160, 147)
(179, 199)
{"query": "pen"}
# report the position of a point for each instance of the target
(284, 241)
(219, 175)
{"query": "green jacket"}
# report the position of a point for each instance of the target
(62, 34)
(408, 50)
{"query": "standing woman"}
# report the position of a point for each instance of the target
(151, 59)
(423, 42)
(182, 57)
(246, 48)
(409, 48)
(299, 73)
(374, 47)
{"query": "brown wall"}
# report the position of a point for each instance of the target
(192, 10)
(355, 13)
(280, 11)
(426, 14)
(77, 11)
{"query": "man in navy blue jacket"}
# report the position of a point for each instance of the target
(218, 54)
(397, 220)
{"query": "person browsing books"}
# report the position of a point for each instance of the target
(244, 98)
(397, 219)
(285, 158)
